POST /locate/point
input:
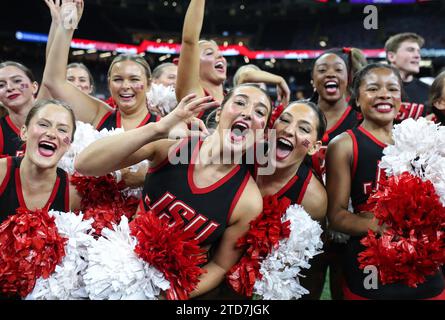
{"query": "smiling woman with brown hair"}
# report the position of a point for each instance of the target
(34, 181)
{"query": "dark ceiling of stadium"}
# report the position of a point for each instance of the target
(128, 21)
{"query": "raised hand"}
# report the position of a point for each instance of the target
(177, 123)
(54, 8)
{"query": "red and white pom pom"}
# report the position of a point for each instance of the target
(280, 243)
(265, 234)
(419, 148)
(171, 250)
(115, 271)
(413, 247)
(66, 282)
(30, 248)
(281, 270)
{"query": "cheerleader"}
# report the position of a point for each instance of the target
(18, 90)
(331, 77)
(129, 78)
(299, 130)
(165, 74)
(353, 172)
(216, 198)
(202, 69)
(437, 98)
(34, 181)
(80, 76)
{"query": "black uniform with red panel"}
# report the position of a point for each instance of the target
(295, 189)
(10, 142)
(348, 120)
(11, 195)
(365, 177)
(171, 193)
(414, 101)
(113, 120)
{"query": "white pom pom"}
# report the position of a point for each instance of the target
(419, 148)
(162, 97)
(281, 269)
(66, 283)
(115, 272)
(85, 135)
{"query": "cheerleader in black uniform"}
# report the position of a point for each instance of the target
(129, 78)
(215, 197)
(34, 181)
(18, 90)
(299, 130)
(202, 69)
(353, 172)
(331, 77)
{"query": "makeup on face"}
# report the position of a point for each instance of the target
(67, 141)
(137, 86)
(306, 143)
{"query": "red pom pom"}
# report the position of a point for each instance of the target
(171, 250)
(30, 248)
(413, 246)
(264, 234)
(103, 201)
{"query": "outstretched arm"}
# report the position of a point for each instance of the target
(258, 76)
(54, 8)
(189, 59)
(85, 107)
(125, 149)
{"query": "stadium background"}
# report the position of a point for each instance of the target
(257, 25)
